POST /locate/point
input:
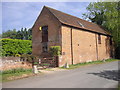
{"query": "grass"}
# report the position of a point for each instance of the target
(14, 74)
(89, 63)
(118, 86)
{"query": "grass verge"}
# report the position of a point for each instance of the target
(14, 74)
(89, 63)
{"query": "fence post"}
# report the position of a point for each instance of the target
(35, 70)
(66, 65)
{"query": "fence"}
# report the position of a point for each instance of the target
(48, 62)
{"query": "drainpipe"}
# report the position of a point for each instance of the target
(96, 46)
(71, 46)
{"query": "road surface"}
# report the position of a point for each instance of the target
(90, 76)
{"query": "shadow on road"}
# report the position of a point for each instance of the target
(111, 74)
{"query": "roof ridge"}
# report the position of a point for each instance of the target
(52, 13)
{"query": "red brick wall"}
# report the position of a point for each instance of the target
(66, 46)
(7, 63)
(54, 37)
(103, 49)
(84, 46)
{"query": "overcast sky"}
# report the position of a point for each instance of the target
(16, 15)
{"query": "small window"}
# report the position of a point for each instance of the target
(110, 41)
(44, 47)
(99, 39)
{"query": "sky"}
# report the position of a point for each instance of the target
(16, 15)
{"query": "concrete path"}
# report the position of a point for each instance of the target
(91, 76)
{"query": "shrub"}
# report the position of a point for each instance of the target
(117, 52)
(29, 58)
(55, 50)
(11, 47)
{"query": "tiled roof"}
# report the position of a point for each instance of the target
(76, 22)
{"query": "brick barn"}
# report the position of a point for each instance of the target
(80, 40)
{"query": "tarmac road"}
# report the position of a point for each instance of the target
(90, 76)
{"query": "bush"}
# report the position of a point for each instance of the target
(11, 47)
(29, 58)
(55, 50)
(117, 52)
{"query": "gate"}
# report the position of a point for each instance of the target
(48, 62)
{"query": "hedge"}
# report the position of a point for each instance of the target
(11, 47)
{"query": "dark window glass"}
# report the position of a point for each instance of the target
(99, 39)
(45, 34)
(110, 41)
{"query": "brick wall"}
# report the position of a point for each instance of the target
(45, 18)
(85, 46)
(7, 63)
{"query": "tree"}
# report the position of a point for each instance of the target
(19, 35)
(29, 34)
(9, 34)
(106, 14)
(24, 34)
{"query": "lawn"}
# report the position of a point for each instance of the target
(89, 63)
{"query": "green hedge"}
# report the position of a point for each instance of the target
(11, 47)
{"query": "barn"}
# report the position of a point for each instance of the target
(80, 40)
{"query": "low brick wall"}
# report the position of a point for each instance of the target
(7, 63)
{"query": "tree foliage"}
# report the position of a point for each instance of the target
(106, 14)
(11, 47)
(24, 34)
(10, 34)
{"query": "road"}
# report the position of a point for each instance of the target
(90, 76)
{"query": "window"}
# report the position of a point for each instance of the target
(99, 39)
(45, 38)
(110, 41)
(45, 34)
